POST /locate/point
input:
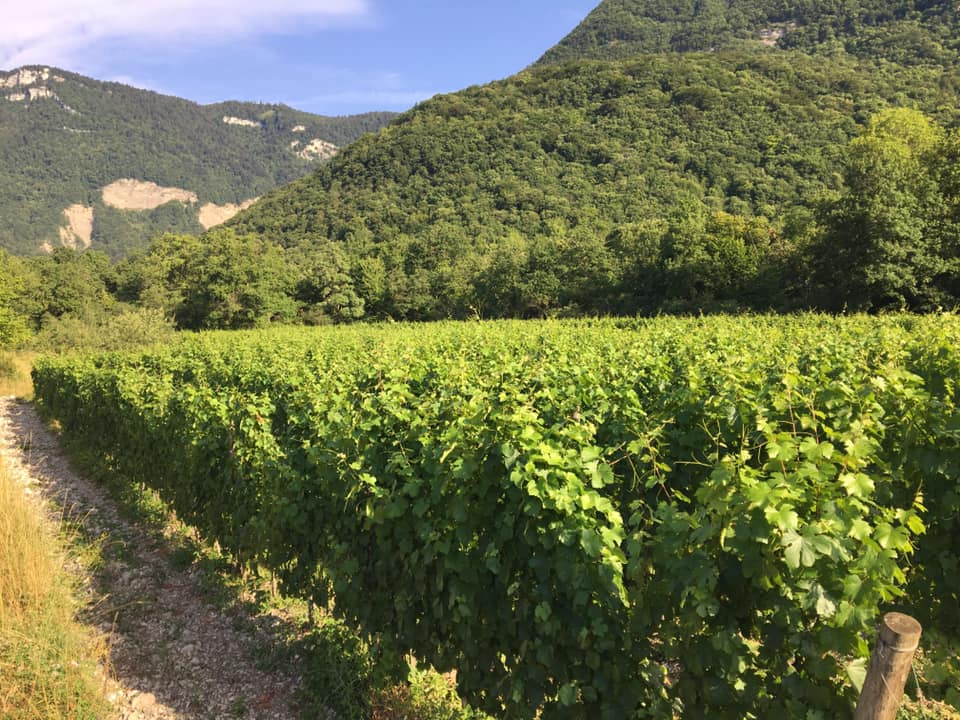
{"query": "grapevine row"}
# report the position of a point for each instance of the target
(590, 519)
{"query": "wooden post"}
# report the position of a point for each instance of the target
(889, 668)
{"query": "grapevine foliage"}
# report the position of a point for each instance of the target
(585, 520)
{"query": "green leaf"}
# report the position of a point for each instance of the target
(860, 530)
(601, 476)
(792, 556)
(889, 537)
(758, 494)
(568, 694)
(543, 612)
(826, 608)
(857, 672)
(915, 523)
(858, 484)
(510, 455)
(590, 454)
(852, 585)
(798, 550)
(784, 517)
(782, 450)
(814, 450)
(591, 543)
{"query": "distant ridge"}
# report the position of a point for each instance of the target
(64, 138)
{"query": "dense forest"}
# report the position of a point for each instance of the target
(889, 239)
(903, 31)
(69, 136)
(661, 181)
(812, 171)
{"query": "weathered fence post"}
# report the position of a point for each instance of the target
(889, 667)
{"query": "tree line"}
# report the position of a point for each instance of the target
(889, 239)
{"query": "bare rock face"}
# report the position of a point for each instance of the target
(138, 195)
(318, 149)
(212, 215)
(229, 120)
(40, 92)
(33, 93)
(129, 194)
(25, 77)
(21, 82)
(78, 232)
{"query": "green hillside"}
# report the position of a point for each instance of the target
(752, 177)
(907, 31)
(608, 186)
(63, 137)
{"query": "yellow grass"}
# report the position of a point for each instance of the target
(48, 662)
(15, 374)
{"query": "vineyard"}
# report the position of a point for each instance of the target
(604, 519)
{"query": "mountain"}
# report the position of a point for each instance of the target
(907, 31)
(595, 185)
(89, 163)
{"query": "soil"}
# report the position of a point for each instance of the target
(174, 654)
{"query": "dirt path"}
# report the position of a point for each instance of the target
(173, 655)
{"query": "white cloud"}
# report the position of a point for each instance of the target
(64, 32)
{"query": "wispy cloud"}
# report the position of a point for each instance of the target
(385, 99)
(63, 32)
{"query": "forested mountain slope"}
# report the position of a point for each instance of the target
(65, 137)
(603, 186)
(908, 31)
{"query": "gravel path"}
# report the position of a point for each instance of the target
(173, 655)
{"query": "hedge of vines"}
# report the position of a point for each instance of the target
(585, 519)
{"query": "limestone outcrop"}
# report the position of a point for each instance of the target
(212, 215)
(78, 233)
(22, 81)
(230, 120)
(317, 149)
(128, 194)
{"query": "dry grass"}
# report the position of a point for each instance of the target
(48, 662)
(15, 373)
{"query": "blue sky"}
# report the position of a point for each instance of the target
(332, 57)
